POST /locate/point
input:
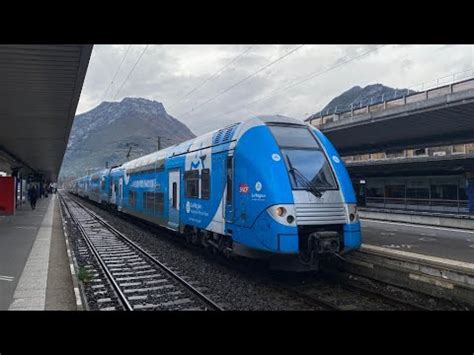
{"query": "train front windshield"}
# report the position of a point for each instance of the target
(306, 162)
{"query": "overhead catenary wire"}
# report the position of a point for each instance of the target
(116, 72)
(212, 77)
(131, 71)
(314, 74)
(242, 80)
(300, 81)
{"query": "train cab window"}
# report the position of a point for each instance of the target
(205, 184)
(229, 180)
(191, 183)
(306, 162)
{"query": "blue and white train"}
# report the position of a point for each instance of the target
(270, 187)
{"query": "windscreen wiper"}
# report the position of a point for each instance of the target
(305, 182)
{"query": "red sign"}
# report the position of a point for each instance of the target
(244, 188)
(7, 195)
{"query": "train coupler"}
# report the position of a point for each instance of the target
(324, 242)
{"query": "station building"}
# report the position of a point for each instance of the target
(414, 152)
(426, 179)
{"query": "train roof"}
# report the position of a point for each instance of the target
(278, 119)
(207, 140)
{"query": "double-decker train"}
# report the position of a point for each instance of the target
(269, 187)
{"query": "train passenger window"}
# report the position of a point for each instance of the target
(229, 180)
(159, 199)
(132, 198)
(149, 198)
(205, 184)
(191, 183)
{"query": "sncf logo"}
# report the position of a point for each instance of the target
(243, 188)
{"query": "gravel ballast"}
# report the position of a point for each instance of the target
(240, 284)
(232, 289)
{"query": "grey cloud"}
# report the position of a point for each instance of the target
(167, 73)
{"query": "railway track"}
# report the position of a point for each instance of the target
(138, 280)
(353, 283)
(340, 291)
(338, 297)
(334, 291)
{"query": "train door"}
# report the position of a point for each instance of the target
(173, 198)
(120, 194)
(111, 187)
(113, 191)
(229, 198)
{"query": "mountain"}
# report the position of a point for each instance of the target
(358, 96)
(106, 133)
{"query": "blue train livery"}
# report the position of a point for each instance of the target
(269, 187)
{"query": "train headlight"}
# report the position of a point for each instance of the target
(283, 214)
(353, 213)
(280, 211)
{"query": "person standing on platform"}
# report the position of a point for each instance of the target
(33, 196)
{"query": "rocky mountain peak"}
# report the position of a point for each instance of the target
(104, 133)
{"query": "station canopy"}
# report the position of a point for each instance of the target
(40, 88)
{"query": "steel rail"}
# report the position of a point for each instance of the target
(121, 296)
(210, 303)
(342, 276)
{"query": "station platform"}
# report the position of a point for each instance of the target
(34, 266)
(398, 234)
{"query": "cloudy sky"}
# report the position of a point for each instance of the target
(207, 87)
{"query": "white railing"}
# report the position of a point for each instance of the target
(425, 87)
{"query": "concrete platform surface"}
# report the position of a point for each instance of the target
(441, 278)
(447, 243)
(34, 267)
